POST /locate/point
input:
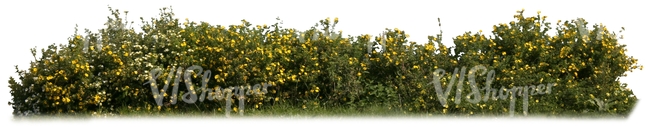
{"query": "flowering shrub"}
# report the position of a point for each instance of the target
(319, 67)
(585, 63)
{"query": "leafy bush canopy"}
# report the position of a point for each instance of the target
(319, 67)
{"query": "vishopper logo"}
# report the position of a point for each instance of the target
(190, 97)
(226, 94)
(490, 93)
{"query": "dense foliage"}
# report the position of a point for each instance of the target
(319, 67)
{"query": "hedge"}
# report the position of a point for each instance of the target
(573, 72)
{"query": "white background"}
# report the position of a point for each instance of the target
(28, 24)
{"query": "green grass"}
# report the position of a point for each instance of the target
(290, 111)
